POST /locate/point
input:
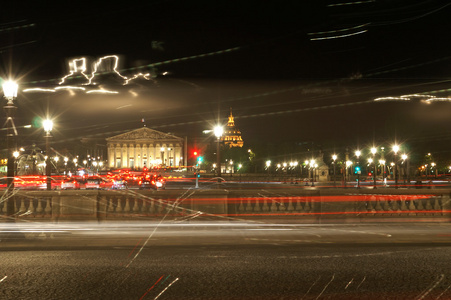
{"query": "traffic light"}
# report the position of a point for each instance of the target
(195, 153)
(200, 159)
(357, 170)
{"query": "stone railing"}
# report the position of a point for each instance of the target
(301, 205)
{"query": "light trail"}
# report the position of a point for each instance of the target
(339, 30)
(101, 92)
(351, 3)
(39, 90)
(165, 289)
(142, 297)
(75, 68)
(97, 64)
(338, 36)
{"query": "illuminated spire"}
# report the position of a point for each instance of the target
(231, 122)
(232, 135)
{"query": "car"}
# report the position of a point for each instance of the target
(70, 184)
(152, 181)
(95, 183)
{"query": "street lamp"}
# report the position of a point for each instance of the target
(218, 131)
(373, 151)
(10, 93)
(382, 163)
(334, 157)
(395, 172)
(404, 162)
(312, 166)
(357, 154)
(48, 126)
(16, 155)
(268, 166)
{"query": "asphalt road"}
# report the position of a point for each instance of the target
(229, 260)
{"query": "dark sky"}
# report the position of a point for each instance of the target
(294, 70)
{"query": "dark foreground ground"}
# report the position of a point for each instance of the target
(225, 261)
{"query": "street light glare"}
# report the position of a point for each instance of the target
(10, 89)
(373, 150)
(395, 148)
(218, 131)
(48, 125)
(357, 153)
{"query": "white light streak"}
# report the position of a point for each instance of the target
(123, 106)
(3, 278)
(339, 30)
(338, 36)
(424, 98)
(351, 3)
(39, 90)
(145, 76)
(101, 92)
(96, 65)
(165, 289)
(69, 87)
(392, 98)
(75, 68)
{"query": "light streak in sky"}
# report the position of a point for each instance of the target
(101, 92)
(338, 36)
(75, 68)
(338, 31)
(351, 3)
(79, 66)
(96, 65)
(39, 90)
(424, 98)
(145, 76)
(69, 87)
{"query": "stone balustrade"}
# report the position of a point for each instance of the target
(298, 205)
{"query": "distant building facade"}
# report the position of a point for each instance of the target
(232, 135)
(145, 147)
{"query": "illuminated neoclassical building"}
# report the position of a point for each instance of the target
(232, 135)
(144, 147)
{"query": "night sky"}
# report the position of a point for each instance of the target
(293, 71)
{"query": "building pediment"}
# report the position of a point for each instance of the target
(143, 134)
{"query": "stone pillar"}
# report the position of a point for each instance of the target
(124, 158)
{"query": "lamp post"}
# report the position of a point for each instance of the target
(239, 170)
(357, 154)
(48, 126)
(10, 93)
(16, 155)
(395, 172)
(382, 163)
(404, 162)
(334, 157)
(312, 166)
(373, 151)
(218, 131)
